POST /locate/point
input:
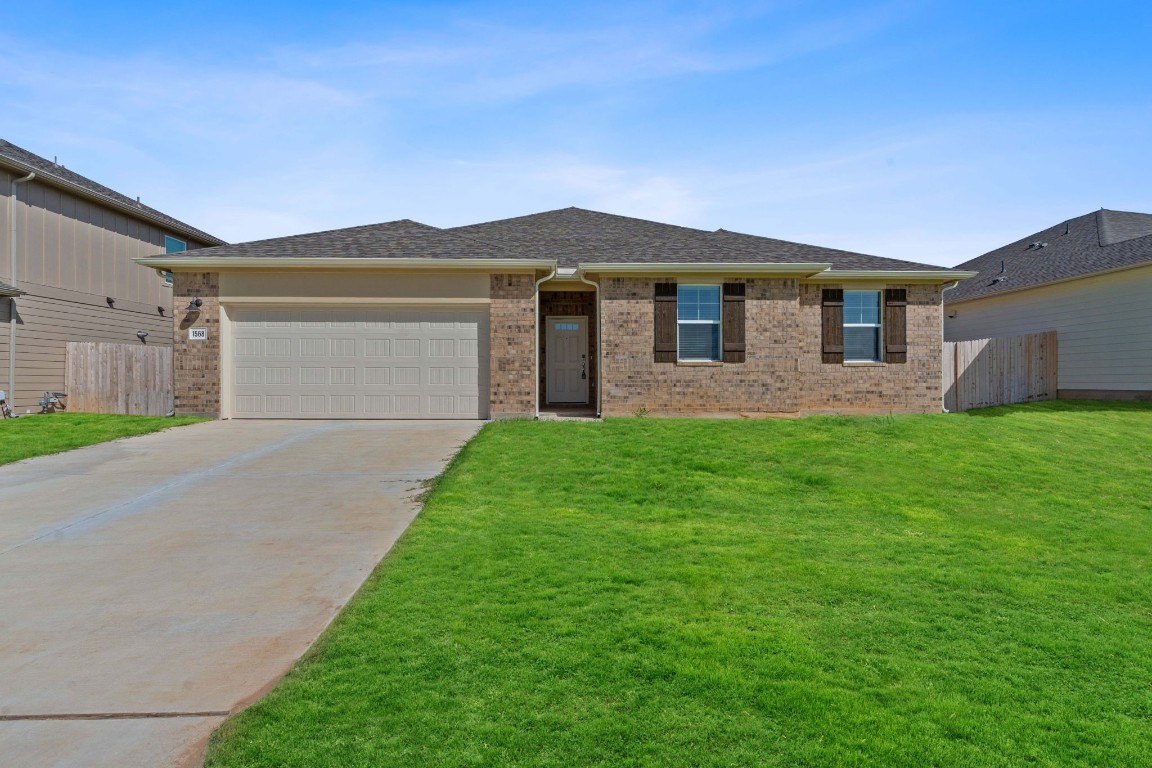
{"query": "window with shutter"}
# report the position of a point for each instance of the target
(733, 325)
(698, 323)
(832, 325)
(862, 326)
(895, 325)
(664, 314)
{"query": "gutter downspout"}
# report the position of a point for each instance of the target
(599, 345)
(12, 279)
(536, 351)
(944, 392)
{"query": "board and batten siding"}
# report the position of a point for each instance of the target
(71, 255)
(64, 241)
(1103, 322)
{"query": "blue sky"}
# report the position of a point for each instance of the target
(930, 131)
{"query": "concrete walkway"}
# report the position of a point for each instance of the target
(150, 586)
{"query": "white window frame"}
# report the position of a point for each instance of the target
(719, 323)
(878, 325)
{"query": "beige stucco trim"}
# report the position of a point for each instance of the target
(352, 302)
(892, 275)
(221, 263)
(344, 288)
(719, 268)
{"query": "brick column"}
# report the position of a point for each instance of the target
(196, 364)
(512, 345)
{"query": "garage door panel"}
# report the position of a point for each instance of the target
(359, 363)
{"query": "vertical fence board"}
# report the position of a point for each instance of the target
(984, 372)
(131, 379)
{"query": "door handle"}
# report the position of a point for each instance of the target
(583, 370)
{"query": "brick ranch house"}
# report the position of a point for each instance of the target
(564, 308)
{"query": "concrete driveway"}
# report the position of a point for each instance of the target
(150, 586)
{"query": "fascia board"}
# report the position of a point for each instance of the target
(893, 275)
(728, 268)
(1022, 288)
(225, 262)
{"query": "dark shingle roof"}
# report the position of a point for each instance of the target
(1096, 242)
(392, 240)
(571, 237)
(574, 236)
(8, 290)
(48, 169)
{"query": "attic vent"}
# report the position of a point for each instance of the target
(1036, 246)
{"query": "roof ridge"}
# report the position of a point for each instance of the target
(581, 210)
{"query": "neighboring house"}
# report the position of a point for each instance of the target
(1090, 280)
(565, 308)
(66, 271)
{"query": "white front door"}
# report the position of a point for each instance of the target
(566, 361)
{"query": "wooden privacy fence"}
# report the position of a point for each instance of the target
(133, 379)
(986, 372)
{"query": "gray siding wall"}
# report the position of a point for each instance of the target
(1103, 325)
(72, 253)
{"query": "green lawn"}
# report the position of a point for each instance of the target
(39, 435)
(952, 590)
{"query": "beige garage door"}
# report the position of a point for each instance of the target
(374, 363)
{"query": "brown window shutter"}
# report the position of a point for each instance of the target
(895, 325)
(665, 319)
(832, 325)
(732, 322)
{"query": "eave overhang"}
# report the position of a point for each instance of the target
(893, 275)
(213, 264)
(8, 292)
(700, 268)
(111, 202)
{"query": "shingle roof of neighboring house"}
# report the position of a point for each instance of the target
(394, 239)
(1096, 242)
(26, 160)
(574, 236)
(8, 290)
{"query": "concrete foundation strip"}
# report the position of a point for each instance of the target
(113, 716)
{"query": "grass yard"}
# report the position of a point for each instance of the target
(953, 590)
(42, 434)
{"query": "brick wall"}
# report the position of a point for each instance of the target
(568, 304)
(764, 382)
(512, 345)
(783, 371)
(196, 364)
(914, 386)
